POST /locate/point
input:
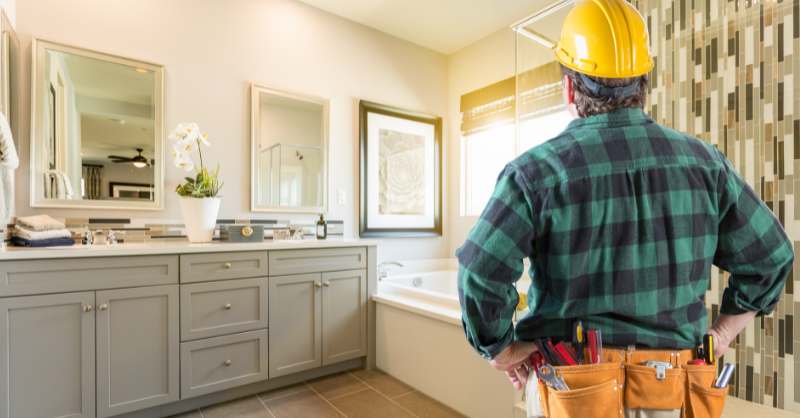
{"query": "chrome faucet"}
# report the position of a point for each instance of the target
(383, 268)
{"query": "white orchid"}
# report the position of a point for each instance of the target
(185, 162)
(186, 145)
(202, 137)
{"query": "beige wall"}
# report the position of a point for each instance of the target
(483, 63)
(10, 7)
(213, 50)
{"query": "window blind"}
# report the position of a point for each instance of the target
(495, 105)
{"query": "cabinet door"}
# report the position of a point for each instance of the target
(295, 324)
(47, 356)
(344, 316)
(137, 349)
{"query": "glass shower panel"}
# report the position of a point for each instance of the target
(294, 175)
(541, 113)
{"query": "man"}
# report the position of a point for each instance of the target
(621, 218)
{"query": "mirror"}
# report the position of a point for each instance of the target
(289, 152)
(96, 130)
(9, 76)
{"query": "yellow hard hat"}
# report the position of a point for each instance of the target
(605, 38)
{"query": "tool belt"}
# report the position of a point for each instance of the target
(622, 381)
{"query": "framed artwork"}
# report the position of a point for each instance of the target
(51, 142)
(400, 172)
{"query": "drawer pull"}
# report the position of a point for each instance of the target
(227, 265)
(228, 307)
(317, 285)
(87, 308)
(102, 307)
(327, 284)
(227, 363)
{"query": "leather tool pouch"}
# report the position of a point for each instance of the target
(595, 391)
(604, 390)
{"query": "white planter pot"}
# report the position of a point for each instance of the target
(200, 217)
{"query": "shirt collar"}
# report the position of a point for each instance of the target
(625, 116)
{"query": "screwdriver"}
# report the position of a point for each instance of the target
(577, 340)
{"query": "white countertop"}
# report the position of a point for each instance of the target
(128, 249)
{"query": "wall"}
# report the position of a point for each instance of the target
(212, 52)
(10, 6)
(727, 73)
(483, 63)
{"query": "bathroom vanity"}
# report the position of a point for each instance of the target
(155, 330)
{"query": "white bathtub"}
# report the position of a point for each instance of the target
(420, 340)
(439, 287)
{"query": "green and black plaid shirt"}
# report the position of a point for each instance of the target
(622, 219)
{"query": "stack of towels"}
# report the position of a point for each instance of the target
(40, 231)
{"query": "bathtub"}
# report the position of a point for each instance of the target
(438, 287)
(420, 340)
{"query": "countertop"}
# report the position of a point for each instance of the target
(129, 249)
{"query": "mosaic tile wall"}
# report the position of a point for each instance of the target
(162, 230)
(727, 72)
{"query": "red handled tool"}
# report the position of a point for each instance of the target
(543, 352)
(554, 354)
(566, 354)
(595, 339)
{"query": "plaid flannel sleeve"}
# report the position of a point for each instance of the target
(491, 261)
(752, 246)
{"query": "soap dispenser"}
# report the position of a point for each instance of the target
(322, 228)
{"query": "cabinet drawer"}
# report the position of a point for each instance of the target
(315, 261)
(223, 266)
(221, 363)
(219, 308)
(67, 275)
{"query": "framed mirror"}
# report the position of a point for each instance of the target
(289, 152)
(9, 76)
(96, 124)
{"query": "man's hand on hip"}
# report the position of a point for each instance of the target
(513, 360)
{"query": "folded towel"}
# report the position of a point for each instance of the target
(50, 242)
(39, 223)
(57, 185)
(21, 232)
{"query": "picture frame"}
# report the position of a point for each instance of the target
(400, 172)
(136, 191)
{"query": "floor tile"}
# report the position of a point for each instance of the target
(382, 382)
(190, 414)
(335, 385)
(369, 404)
(288, 390)
(424, 406)
(249, 407)
(306, 404)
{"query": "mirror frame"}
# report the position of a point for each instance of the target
(255, 125)
(7, 84)
(37, 199)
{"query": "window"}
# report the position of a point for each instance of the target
(489, 138)
(483, 156)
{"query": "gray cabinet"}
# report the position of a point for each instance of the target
(285, 262)
(47, 356)
(226, 307)
(295, 323)
(137, 349)
(222, 363)
(344, 316)
(223, 266)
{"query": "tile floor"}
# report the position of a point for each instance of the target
(356, 393)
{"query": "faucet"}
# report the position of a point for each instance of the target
(88, 238)
(298, 234)
(112, 237)
(383, 268)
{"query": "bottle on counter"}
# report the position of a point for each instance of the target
(322, 228)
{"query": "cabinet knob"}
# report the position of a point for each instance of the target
(103, 307)
(227, 265)
(317, 285)
(227, 363)
(228, 307)
(87, 308)
(327, 284)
